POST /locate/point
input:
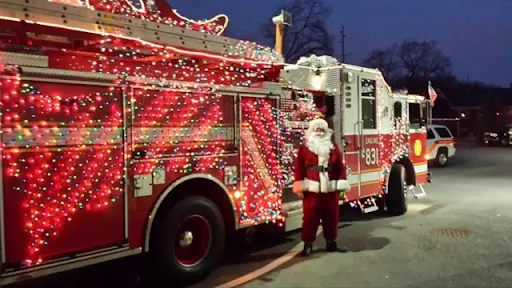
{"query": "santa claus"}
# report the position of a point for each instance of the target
(320, 176)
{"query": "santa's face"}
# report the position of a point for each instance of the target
(318, 138)
(319, 132)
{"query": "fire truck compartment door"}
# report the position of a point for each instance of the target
(63, 169)
(261, 173)
(175, 132)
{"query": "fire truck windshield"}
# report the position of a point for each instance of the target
(426, 112)
(418, 115)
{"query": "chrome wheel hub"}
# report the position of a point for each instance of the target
(442, 159)
(186, 239)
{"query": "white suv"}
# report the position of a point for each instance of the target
(440, 144)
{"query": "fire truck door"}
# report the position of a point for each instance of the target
(360, 127)
(370, 154)
(352, 125)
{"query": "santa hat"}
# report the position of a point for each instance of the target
(318, 122)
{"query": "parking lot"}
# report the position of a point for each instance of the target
(458, 236)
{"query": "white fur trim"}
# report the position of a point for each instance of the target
(342, 186)
(323, 160)
(317, 122)
(314, 186)
(324, 176)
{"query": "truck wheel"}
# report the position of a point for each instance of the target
(396, 199)
(189, 241)
(442, 158)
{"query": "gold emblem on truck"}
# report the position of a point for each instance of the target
(417, 148)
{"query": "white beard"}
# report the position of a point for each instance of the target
(320, 145)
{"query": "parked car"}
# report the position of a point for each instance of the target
(501, 136)
(440, 145)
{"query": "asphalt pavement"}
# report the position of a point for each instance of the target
(463, 238)
(458, 236)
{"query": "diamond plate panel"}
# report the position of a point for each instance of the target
(333, 84)
(36, 137)
(10, 58)
(333, 78)
(182, 134)
(68, 73)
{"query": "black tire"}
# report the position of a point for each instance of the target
(442, 158)
(396, 199)
(168, 251)
(504, 142)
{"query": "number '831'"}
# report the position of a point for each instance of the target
(371, 156)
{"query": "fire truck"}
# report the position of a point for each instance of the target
(382, 132)
(130, 129)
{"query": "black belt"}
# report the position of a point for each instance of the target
(320, 168)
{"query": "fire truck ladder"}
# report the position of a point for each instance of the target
(255, 154)
(84, 19)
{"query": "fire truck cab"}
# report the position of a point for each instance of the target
(383, 147)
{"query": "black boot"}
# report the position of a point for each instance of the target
(308, 248)
(332, 246)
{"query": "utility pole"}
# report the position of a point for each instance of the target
(343, 55)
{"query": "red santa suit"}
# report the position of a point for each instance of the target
(320, 175)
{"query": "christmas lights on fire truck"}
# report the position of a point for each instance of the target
(128, 128)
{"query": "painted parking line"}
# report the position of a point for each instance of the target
(267, 268)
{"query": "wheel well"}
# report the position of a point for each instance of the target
(195, 187)
(443, 149)
(410, 174)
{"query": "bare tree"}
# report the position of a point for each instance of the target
(308, 34)
(412, 60)
(385, 60)
(423, 60)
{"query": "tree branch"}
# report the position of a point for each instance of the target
(306, 22)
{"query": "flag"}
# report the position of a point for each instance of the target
(432, 95)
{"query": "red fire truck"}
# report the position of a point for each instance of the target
(128, 128)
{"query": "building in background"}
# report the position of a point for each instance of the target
(468, 114)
